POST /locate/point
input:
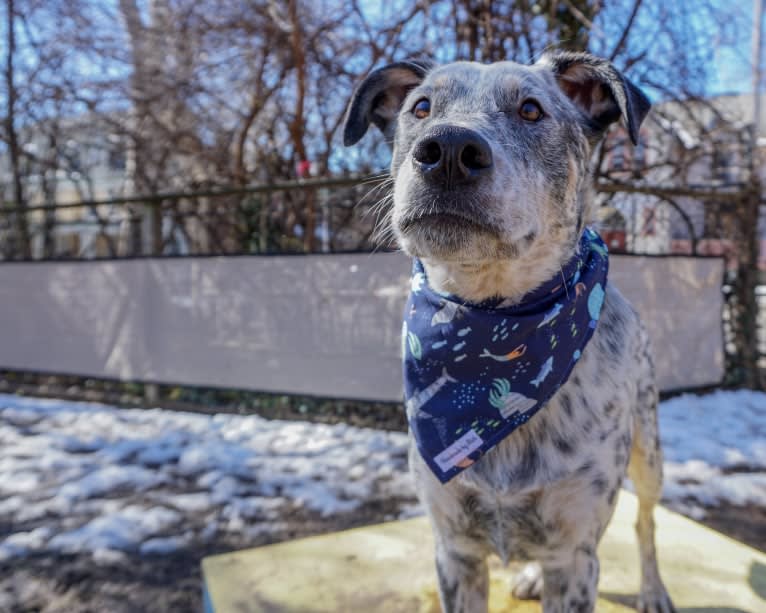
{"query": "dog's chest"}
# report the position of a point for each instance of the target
(514, 529)
(540, 504)
(527, 497)
(525, 509)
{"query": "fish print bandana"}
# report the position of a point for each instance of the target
(473, 373)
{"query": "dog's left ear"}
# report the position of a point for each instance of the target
(599, 90)
(378, 98)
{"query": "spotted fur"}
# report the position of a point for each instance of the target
(547, 492)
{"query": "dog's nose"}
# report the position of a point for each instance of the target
(453, 154)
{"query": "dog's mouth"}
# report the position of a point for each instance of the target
(446, 223)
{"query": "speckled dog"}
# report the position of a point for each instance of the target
(492, 193)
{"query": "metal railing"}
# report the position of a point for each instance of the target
(306, 216)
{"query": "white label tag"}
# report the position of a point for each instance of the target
(459, 450)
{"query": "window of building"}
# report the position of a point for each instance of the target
(116, 159)
(639, 157)
(618, 159)
(723, 165)
(650, 219)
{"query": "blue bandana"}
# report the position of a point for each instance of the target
(473, 373)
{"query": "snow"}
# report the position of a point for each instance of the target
(715, 448)
(83, 477)
(120, 529)
(162, 545)
(723, 429)
(105, 480)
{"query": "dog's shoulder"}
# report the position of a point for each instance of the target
(620, 331)
(617, 360)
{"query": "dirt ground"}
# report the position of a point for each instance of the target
(744, 524)
(133, 583)
(172, 583)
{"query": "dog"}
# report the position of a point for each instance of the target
(492, 193)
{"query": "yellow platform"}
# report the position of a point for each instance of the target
(388, 568)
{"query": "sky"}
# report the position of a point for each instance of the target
(732, 71)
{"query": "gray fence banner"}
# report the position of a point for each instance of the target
(325, 325)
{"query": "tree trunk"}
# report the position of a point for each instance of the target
(143, 159)
(746, 330)
(49, 188)
(298, 123)
(22, 227)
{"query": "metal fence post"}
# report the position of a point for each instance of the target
(325, 225)
(263, 223)
(153, 242)
(135, 234)
(152, 227)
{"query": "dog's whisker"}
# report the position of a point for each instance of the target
(383, 232)
(383, 176)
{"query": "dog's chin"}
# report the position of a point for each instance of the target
(451, 238)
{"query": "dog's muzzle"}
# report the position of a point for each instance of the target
(451, 156)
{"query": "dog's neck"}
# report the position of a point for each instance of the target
(510, 279)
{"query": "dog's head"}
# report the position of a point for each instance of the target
(492, 161)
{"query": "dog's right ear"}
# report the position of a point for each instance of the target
(379, 97)
(599, 90)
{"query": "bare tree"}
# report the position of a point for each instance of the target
(11, 134)
(219, 93)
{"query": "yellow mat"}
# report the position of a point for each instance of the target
(388, 568)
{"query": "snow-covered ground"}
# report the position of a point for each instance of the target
(81, 477)
(715, 450)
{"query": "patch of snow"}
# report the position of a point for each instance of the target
(20, 416)
(34, 539)
(162, 545)
(406, 511)
(89, 477)
(196, 502)
(9, 551)
(21, 543)
(722, 429)
(690, 510)
(714, 448)
(109, 556)
(123, 529)
(256, 507)
(110, 478)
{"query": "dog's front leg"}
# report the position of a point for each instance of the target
(463, 581)
(572, 588)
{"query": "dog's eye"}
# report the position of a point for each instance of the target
(530, 111)
(422, 108)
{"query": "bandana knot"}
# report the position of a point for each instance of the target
(473, 373)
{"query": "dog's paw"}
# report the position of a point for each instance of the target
(655, 601)
(528, 584)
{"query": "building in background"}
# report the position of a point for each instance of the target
(66, 161)
(670, 153)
